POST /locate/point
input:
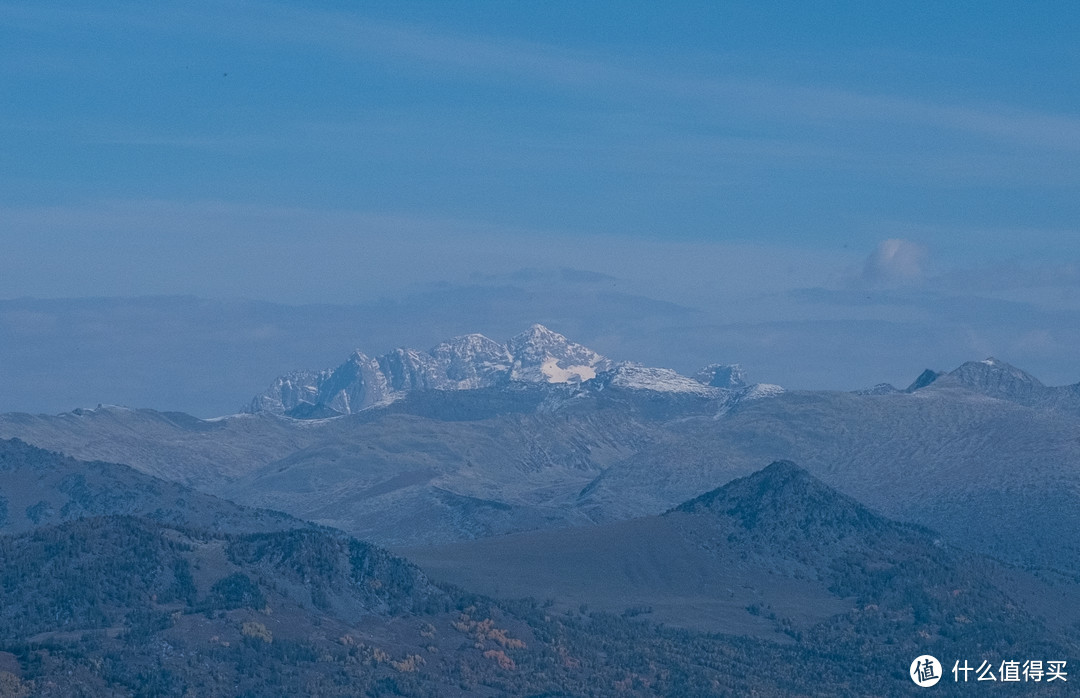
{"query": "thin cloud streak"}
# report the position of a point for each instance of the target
(566, 67)
(512, 60)
(293, 254)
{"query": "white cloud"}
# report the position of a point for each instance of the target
(895, 262)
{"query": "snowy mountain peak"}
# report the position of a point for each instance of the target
(358, 357)
(291, 389)
(978, 373)
(472, 361)
(409, 369)
(997, 379)
(471, 347)
(538, 340)
(538, 332)
(543, 356)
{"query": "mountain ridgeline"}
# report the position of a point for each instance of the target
(983, 454)
(471, 362)
(998, 379)
(840, 600)
(39, 487)
(778, 555)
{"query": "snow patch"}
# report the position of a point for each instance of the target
(473, 361)
(660, 380)
(762, 390)
(557, 374)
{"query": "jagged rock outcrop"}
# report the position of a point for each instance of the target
(536, 356)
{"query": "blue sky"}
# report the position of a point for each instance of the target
(711, 154)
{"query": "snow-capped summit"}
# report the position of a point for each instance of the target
(991, 370)
(473, 361)
(288, 391)
(409, 369)
(543, 356)
(354, 385)
(990, 376)
(997, 379)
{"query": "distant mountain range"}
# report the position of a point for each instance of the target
(1000, 380)
(938, 519)
(984, 454)
(470, 362)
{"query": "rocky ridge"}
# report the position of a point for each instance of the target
(471, 362)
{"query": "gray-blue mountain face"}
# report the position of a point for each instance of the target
(471, 362)
(476, 438)
(537, 467)
(998, 379)
(807, 587)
